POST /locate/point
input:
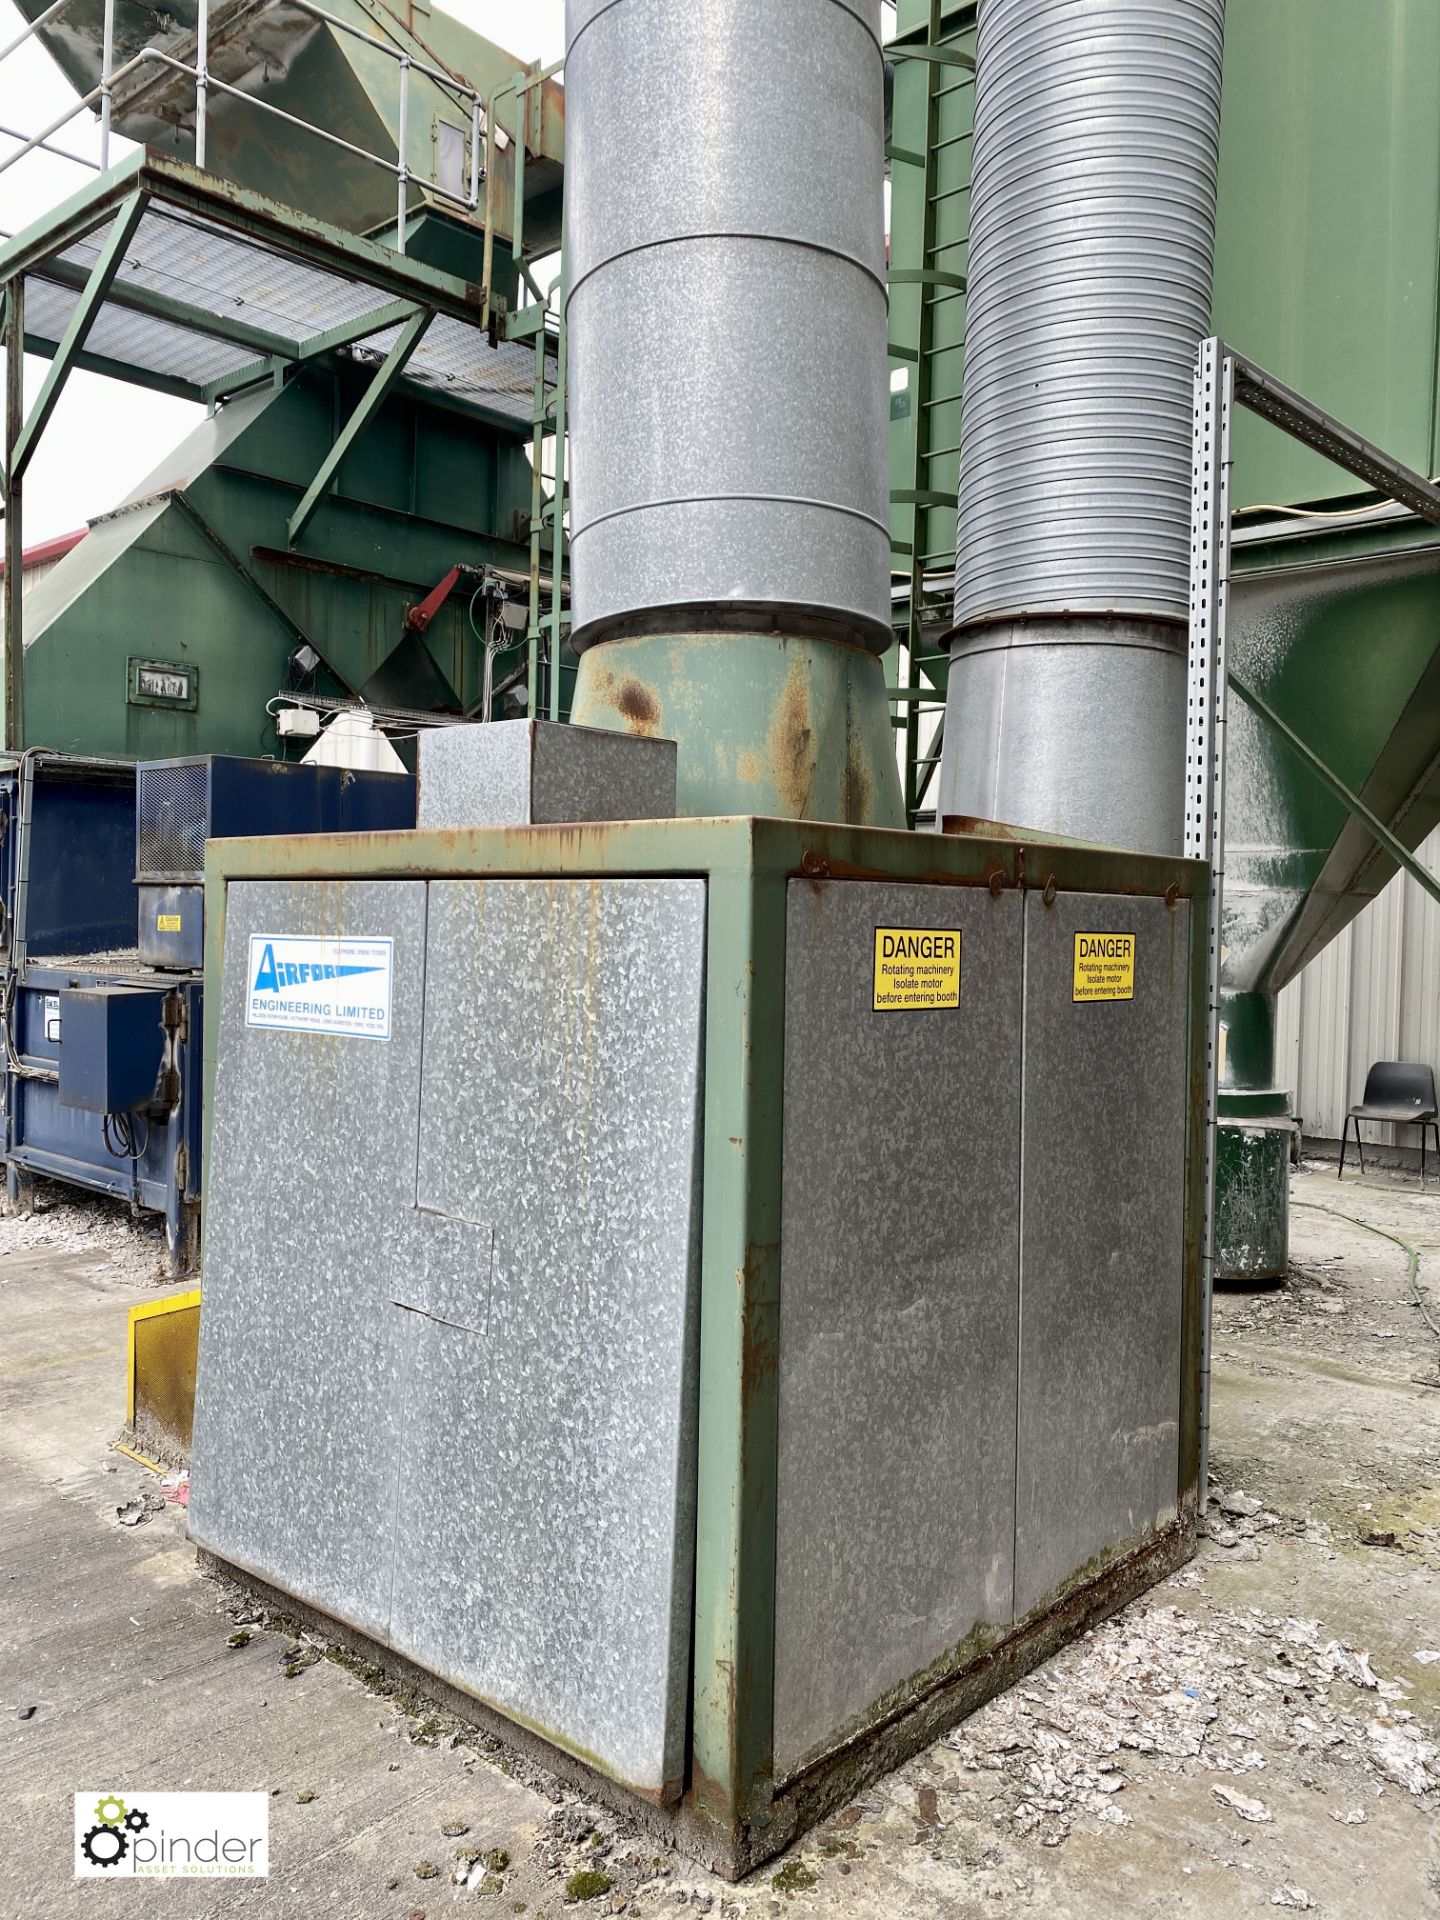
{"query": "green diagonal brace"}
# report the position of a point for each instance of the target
(939, 55)
(394, 365)
(1399, 853)
(122, 232)
(353, 330)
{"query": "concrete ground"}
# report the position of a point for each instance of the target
(1261, 1731)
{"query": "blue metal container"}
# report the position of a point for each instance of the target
(180, 804)
(66, 847)
(153, 1160)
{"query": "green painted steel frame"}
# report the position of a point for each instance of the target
(381, 384)
(748, 865)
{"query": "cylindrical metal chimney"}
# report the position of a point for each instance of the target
(1097, 126)
(726, 308)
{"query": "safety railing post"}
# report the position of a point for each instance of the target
(202, 79)
(107, 76)
(403, 178)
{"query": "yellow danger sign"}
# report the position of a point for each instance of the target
(916, 968)
(1104, 966)
(167, 923)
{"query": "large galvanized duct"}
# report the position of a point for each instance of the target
(1092, 234)
(726, 311)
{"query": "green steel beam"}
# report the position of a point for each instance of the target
(1396, 849)
(926, 277)
(72, 220)
(393, 315)
(286, 230)
(176, 313)
(386, 375)
(43, 348)
(941, 56)
(259, 370)
(122, 232)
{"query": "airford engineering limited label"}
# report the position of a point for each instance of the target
(1104, 966)
(309, 985)
(916, 968)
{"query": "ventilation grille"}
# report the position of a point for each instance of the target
(173, 821)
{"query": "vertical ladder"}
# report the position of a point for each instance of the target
(925, 472)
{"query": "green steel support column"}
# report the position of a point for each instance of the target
(740, 1339)
(14, 664)
(394, 365)
(122, 232)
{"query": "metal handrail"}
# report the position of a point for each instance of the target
(206, 82)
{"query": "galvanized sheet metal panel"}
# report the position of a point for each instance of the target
(545, 1549)
(726, 308)
(1101, 1262)
(299, 1410)
(898, 1306)
(448, 1372)
(1091, 246)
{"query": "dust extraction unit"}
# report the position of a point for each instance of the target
(576, 1248)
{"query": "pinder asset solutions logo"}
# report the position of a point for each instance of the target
(172, 1836)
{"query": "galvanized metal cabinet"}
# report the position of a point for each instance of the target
(735, 1503)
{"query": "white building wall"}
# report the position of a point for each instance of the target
(1373, 994)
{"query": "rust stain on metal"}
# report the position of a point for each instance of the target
(858, 796)
(793, 751)
(639, 708)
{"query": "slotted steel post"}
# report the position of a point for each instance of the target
(1205, 767)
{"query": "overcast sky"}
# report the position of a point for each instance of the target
(105, 436)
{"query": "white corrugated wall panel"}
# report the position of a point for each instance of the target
(1373, 994)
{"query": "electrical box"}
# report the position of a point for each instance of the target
(112, 1046)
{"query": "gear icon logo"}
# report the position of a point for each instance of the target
(105, 1846)
(117, 1825)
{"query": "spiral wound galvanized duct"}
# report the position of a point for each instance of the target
(1092, 232)
(726, 309)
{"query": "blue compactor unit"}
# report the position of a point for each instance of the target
(101, 951)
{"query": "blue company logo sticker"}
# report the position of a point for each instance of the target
(299, 983)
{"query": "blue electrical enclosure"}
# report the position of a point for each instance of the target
(112, 1050)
